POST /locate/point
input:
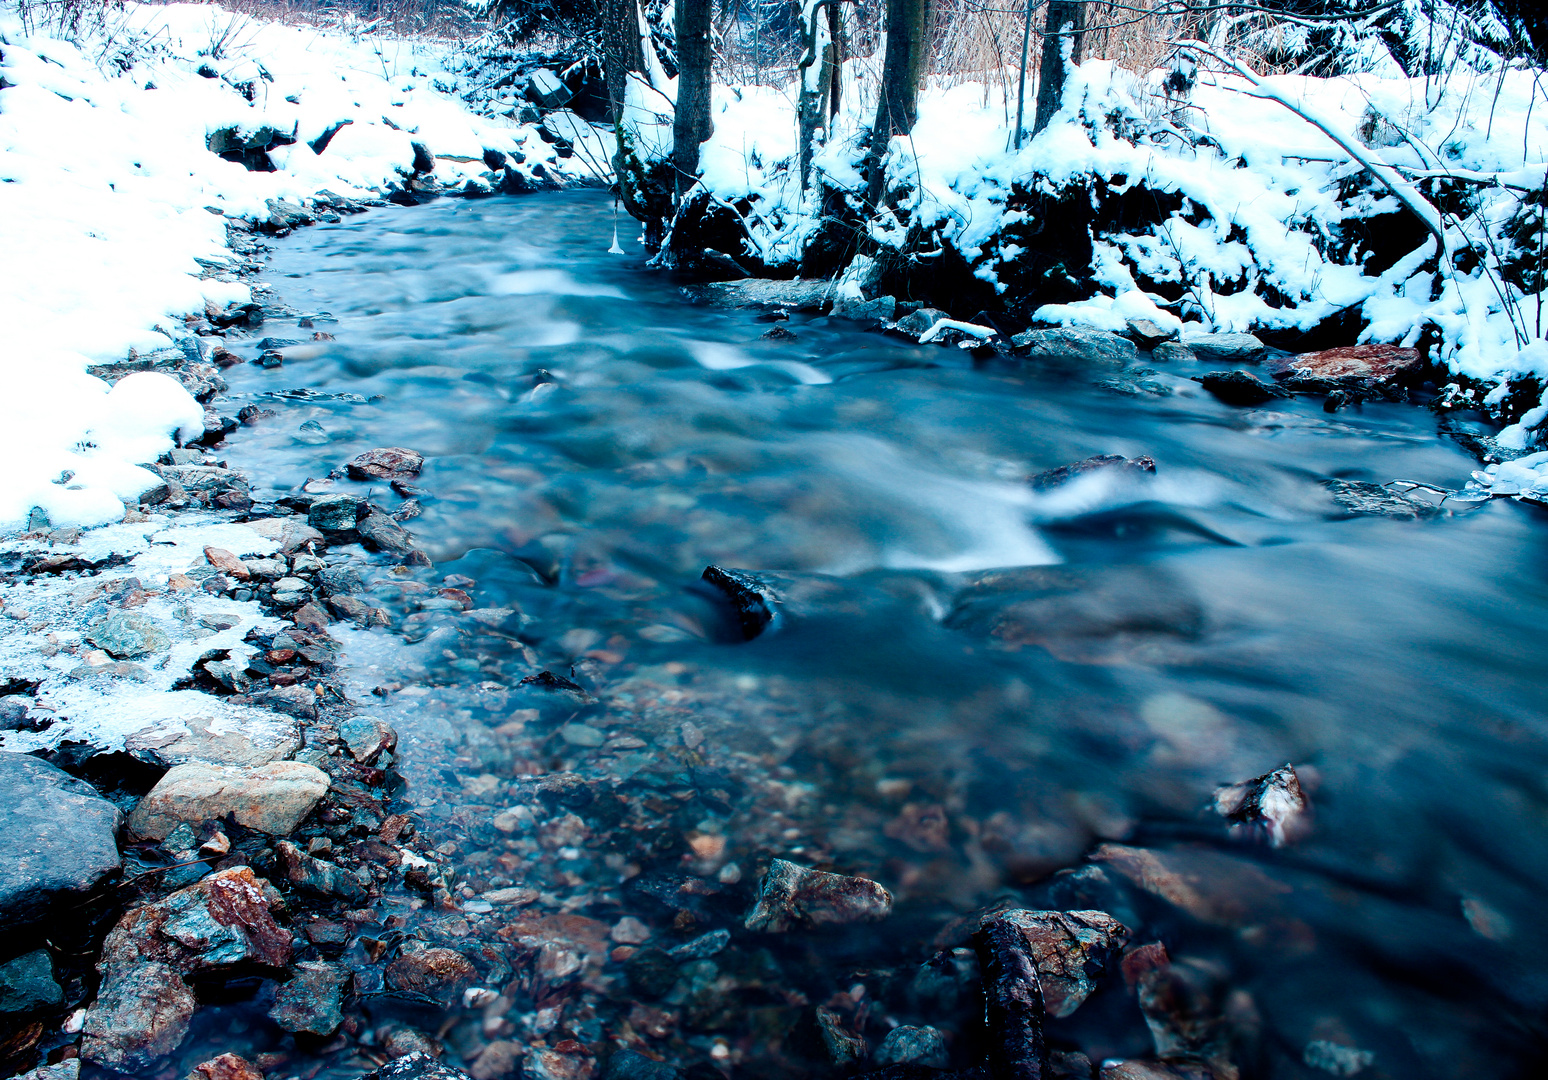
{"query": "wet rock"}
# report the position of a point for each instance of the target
(1070, 949)
(1212, 886)
(701, 947)
(1157, 1070)
(1270, 808)
(651, 972)
(1147, 334)
(335, 513)
(567, 1061)
(908, 1045)
(401, 1041)
(547, 680)
(367, 738)
(200, 728)
(438, 973)
(844, 1046)
(1077, 343)
(1361, 497)
(144, 1006)
(795, 295)
(1225, 348)
(1013, 1002)
(295, 592)
(1052, 478)
(1184, 1007)
(358, 611)
(344, 579)
(125, 636)
(226, 563)
(919, 321)
(793, 895)
(385, 463)
(27, 984)
(205, 478)
(417, 1065)
(632, 1065)
(753, 597)
(380, 532)
(312, 1002)
(226, 1067)
(59, 839)
(1335, 1058)
(1069, 1065)
(316, 876)
(69, 1069)
(1371, 367)
(1239, 387)
(1172, 352)
(500, 1058)
(880, 310)
(272, 798)
(292, 534)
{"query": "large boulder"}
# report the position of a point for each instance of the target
(145, 1004)
(272, 798)
(59, 839)
(1077, 343)
(1225, 348)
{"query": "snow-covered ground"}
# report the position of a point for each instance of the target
(110, 194)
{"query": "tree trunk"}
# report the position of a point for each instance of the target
(908, 39)
(820, 33)
(691, 123)
(1065, 26)
(621, 51)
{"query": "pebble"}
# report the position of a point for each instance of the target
(791, 894)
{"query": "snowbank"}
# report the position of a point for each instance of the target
(110, 194)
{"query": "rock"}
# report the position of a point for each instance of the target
(201, 728)
(1172, 352)
(627, 931)
(1075, 342)
(1147, 334)
(757, 604)
(416, 1065)
(701, 947)
(272, 798)
(125, 636)
(226, 1067)
(226, 563)
(844, 1046)
(385, 463)
(312, 1002)
(1069, 950)
(316, 876)
(1052, 478)
(795, 295)
(27, 984)
(1013, 1002)
(438, 973)
(797, 895)
(882, 309)
(1270, 808)
(1239, 387)
(424, 160)
(367, 738)
(1157, 1070)
(59, 838)
(1183, 1003)
(1225, 348)
(1361, 497)
(342, 580)
(358, 611)
(1370, 367)
(500, 1058)
(144, 1006)
(546, 89)
(335, 513)
(516, 896)
(399, 1041)
(291, 533)
(208, 478)
(68, 1069)
(570, 1063)
(908, 1045)
(380, 532)
(632, 1065)
(294, 592)
(920, 321)
(1212, 886)
(1335, 1058)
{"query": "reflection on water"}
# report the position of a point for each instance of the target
(974, 685)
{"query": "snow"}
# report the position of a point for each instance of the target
(108, 186)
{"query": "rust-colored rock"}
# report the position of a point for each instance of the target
(1070, 949)
(922, 827)
(231, 566)
(437, 973)
(1211, 886)
(226, 1067)
(386, 463)
(1377, 363)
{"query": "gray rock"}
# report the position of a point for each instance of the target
(920, 320)
(1225, 348)
(138, 1016)
(291, 591)
(316, 876)
(27, 984)
(1070, 949)
(199, 477)
(1076, 342)
(335, 513)
(291, 533)
(59, 838)
(417, 1066)
(341, 580)
(908, 1045)
(632, 1065)
(272, 798)
(265, 569)
(1362, 497)
(705, 945)
(381, 533)
(1172, 352)
(1147, 334)
(844, 1046)
(357, 611)
(799, 294)
(791, 894)
(1052, 478)
(882, 309)
(125, 636)
(367, 738)
(69, 1069)
(205, 729)
(312, 1002)
(1239, 387)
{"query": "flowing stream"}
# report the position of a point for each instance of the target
(593, 442)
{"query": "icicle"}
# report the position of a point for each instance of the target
(616, 249)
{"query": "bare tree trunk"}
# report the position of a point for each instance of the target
(908, 40)
(691, 123)
(821, 31)
(1066, 26)
(621, 50)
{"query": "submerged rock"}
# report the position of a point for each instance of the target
(1076, 342)
(1239, 387)
(59, 839)
(1271, 807)
(312, 1002)
(272, 798)
(795, 295)
(1063, 474)
(1362, 497)
(226, 1067)
(417, 1065)
(793, 895)
(316, 876)
(844, 1047)
(438, 973)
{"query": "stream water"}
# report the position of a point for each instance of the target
(960, 737)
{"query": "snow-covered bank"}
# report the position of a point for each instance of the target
(1185, 195)
(114, 199)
